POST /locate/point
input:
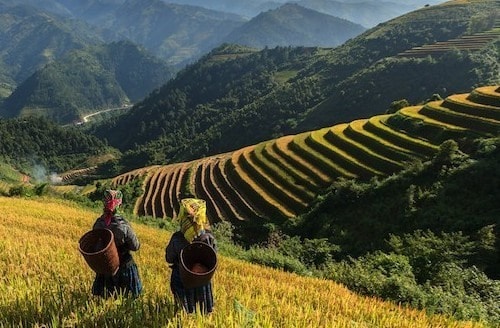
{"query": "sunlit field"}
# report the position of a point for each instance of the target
(45, 282)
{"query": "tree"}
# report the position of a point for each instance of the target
(397, 105)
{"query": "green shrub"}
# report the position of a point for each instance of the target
(223, 231)
(21, 190)
(42, 189)
(273, 258)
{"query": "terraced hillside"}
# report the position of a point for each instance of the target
(471, 42)
(279, 178)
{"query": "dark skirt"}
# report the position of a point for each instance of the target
(192, 299)
(126, 281)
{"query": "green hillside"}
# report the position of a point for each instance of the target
(84, 81)
(280, 178)
(216, 106)
(170, 31)
(9, 177)
(401, 206)
(35, 144)
(32, 38)
(375, 164)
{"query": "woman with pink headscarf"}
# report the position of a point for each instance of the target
(126, 280)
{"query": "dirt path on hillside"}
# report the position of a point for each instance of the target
(85, 119)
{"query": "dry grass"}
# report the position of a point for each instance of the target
(44, 282)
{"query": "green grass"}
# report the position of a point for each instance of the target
(284, 76)
(488, 95)
(283, 148)
(460, 103)
(263, 185)
(321, 162)
(283, 179)
(269, 152)
(232, 193)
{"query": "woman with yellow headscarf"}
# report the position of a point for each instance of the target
(194, 226)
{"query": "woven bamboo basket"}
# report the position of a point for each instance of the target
(99, 251)
(197, 255)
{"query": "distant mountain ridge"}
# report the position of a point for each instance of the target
(35, 33)
(367, 13)
(86, 80)
(173, 32)
(29, 39)
(294, 25)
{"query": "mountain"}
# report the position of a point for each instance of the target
(367, 13)
(98, 77)
(30, 39)
(467, 44)
(244, 8)
(38, 33)
(176, 33)
(236, 96)
(293, 25)
(279, 178)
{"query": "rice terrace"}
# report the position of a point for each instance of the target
(349, 183)
(279, 178)
(41, 286)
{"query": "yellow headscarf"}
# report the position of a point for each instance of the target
(193, 217)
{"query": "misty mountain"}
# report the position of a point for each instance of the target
(244, 8)
(86, 80)
(30, 38)
(367, 13)
(35, 33)
(293, 25)
(176, 33)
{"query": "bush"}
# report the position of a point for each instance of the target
(223, 231)
(42, 189)
(378, 274)
(21, 190)
(272, 258)
(467, 293)
(311, 252)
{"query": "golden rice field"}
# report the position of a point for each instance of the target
(45, 282)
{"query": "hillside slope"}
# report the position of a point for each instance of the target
(367, 13)
(170, 31)
(38, 144)
(45, 281)
(30, 38)
(232, 98)
(279, 178)
(88, 79)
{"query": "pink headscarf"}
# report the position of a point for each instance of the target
(112, 200)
